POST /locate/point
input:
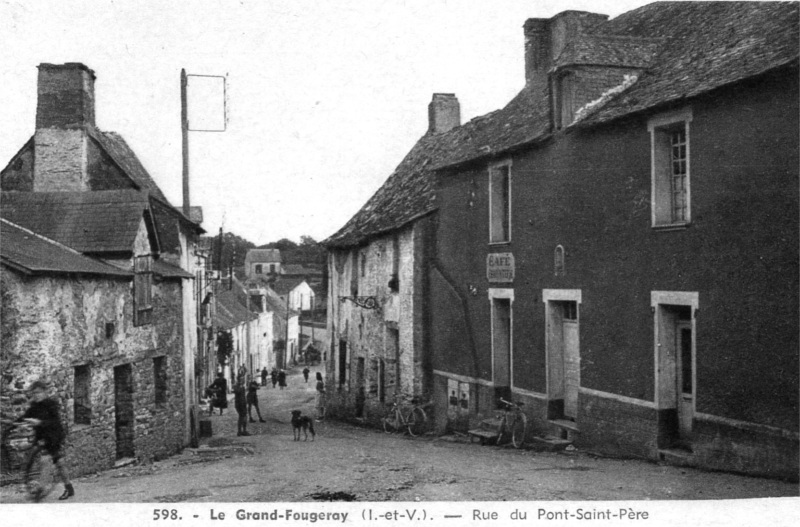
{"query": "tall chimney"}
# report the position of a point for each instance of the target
(444, 113)
(65, 109)
(537, 50)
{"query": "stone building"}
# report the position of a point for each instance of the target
(377, 306)
(618, 246)
(119, 350)
(262, 262)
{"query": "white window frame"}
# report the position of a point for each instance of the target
(661, 208)
(493, 167)
(689, 299)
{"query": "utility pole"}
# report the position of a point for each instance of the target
(185, 142)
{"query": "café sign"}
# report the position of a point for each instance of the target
(500, 267)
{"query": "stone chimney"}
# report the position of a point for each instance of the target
(545, 39)
(64, 111)
(444, 113)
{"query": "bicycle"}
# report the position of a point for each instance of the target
(415, 421)
(513, 424)
(20, 449)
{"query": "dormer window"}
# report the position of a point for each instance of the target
(565, 100)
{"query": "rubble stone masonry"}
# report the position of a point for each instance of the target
(51, 325)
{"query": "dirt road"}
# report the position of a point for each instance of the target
(347, 462)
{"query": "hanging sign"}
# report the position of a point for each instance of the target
(500, 267)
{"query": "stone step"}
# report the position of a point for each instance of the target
(552, 444)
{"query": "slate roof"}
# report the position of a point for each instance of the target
(263, 255)
(229, 312)
(284, 286)
(706, 45)
(89, 222)
(703, 45)
(116, 147)
(31, 253)
(167, 270)
(405, 196)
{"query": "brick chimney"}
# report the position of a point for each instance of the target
(545, 38)
(64, 111)
(444, 113)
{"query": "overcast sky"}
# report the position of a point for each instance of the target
(324, 97)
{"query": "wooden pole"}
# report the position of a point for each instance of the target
(185, 142)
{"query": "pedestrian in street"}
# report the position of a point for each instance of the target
(320, 398)
(252, 400)
(282, 379)
(242, 372)
(219, 393)
(264, 375)
(306, 371)
(240, 403)
(45, 416)
(274, 377)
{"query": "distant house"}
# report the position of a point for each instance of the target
(286, 329)
(98, 283)
(296, 292)
(258, 262)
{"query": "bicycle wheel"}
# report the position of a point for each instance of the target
(417, 422)
(518, 430)
(390, 422)
(40, 475)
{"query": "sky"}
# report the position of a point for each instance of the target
(324, 98)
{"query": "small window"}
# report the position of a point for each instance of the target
(160, 379)
(500, 204)
(143, 290)
(363, 264)
(566, 100)
(571, 311)
(259, 269)
(671, 170)
(272, 268)
(110, 326)
(82, 395)
(559, 263)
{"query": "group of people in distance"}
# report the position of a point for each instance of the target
(246, 395)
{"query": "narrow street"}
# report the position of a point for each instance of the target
(351, 463)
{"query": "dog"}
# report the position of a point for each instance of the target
(304, 423)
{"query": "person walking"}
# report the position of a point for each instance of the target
(44, 413)
(274, 377)
(282, 379)
(252, 400)
(240, 403)
(219, 393)
(306, 371)
(264, 375)
(320, 397)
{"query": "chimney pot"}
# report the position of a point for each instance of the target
(444, 113)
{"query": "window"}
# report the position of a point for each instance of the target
(500, 203)
(671, 194)
(82, 395)
(272, 268)
(110, 328)
(559, 264)
(259, 269)
(160, 379)
(143, 286)
(566, 100)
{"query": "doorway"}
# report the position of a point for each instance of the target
(563, 359)
(675, 374)
(360, 387)
(123, 411)
(342, 362)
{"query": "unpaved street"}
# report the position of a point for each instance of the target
(347, 462)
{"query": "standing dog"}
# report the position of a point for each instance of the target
(302, 422)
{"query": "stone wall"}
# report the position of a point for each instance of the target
(51, 325)
(384, 346)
